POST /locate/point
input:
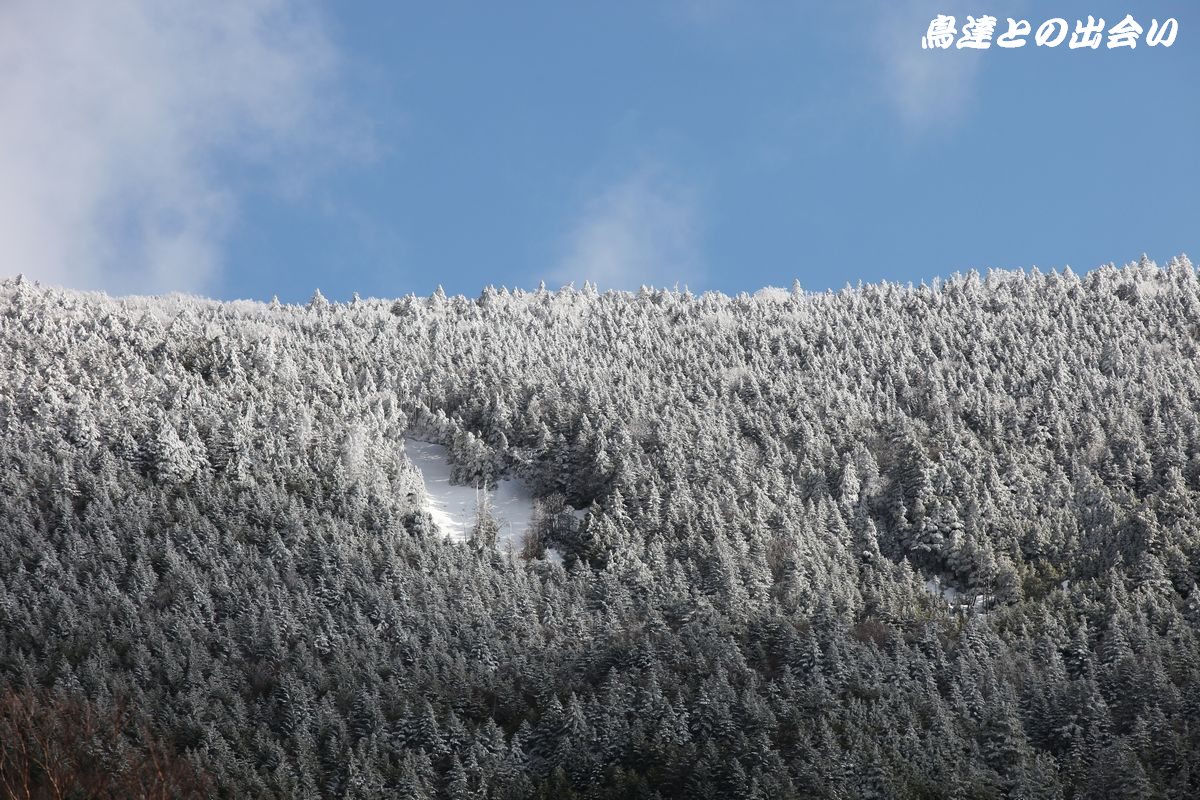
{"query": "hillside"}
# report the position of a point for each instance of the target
(895, 542)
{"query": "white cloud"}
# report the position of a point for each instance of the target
(123, 121)
(641, 231)
(926, 89)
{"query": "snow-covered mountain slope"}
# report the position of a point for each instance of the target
(891, 542)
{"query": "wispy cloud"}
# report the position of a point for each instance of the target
(123, 122)
(925, 89)
(642, 230)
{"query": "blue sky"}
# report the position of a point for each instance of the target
(272, 147)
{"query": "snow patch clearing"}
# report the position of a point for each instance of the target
(453, 508)
(953, 597)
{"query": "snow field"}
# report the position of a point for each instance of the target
(453, 508)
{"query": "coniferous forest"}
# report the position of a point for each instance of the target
(892, 542)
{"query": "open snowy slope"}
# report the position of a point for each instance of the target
(453, 508)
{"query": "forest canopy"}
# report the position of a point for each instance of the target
(936, 541)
